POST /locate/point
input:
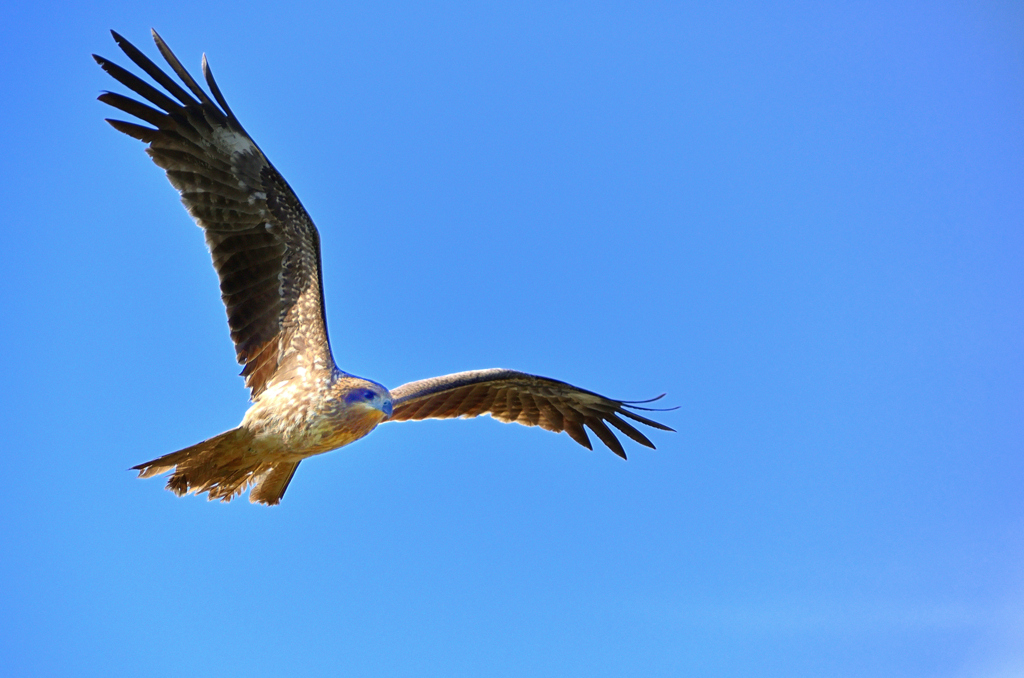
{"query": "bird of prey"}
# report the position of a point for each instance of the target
(266, 252)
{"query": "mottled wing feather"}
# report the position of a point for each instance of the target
(264, 246)
(511, 396)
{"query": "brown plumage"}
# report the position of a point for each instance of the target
(515, 397)
(266, 252)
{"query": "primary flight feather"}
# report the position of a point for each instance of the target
(266, 252)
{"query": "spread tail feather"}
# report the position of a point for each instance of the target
(223, 466)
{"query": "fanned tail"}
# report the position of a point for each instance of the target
(223, 466)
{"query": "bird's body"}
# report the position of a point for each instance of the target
(288, 422)
(311, 418)
(266, 252)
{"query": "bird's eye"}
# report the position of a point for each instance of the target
(369, 395)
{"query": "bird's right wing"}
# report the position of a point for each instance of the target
(511, 396)
(264, 246)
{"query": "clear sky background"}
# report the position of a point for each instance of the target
(803, 222)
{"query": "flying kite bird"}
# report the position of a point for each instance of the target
(266, 252)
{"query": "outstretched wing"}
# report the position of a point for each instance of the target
(264, 246)
(511, 396)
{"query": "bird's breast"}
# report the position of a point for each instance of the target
(302, 418)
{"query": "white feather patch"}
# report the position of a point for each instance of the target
(232, 142)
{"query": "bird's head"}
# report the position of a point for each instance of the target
(371, 396)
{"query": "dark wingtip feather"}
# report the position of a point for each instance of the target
(132, 107)
(180, 70)
(635, 404)
(641, 402)
(577, 433)
(645, 420)
(653, 409)
(102, 61)
(215, 90)
(154, 71)
(607, 437)
(144, 134)
(137, 85)
(630, 431)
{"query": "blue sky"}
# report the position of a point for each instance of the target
(801, 221)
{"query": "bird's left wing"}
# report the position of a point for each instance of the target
(511, 396)
(264, 246)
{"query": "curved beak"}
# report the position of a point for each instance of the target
(387, 409)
